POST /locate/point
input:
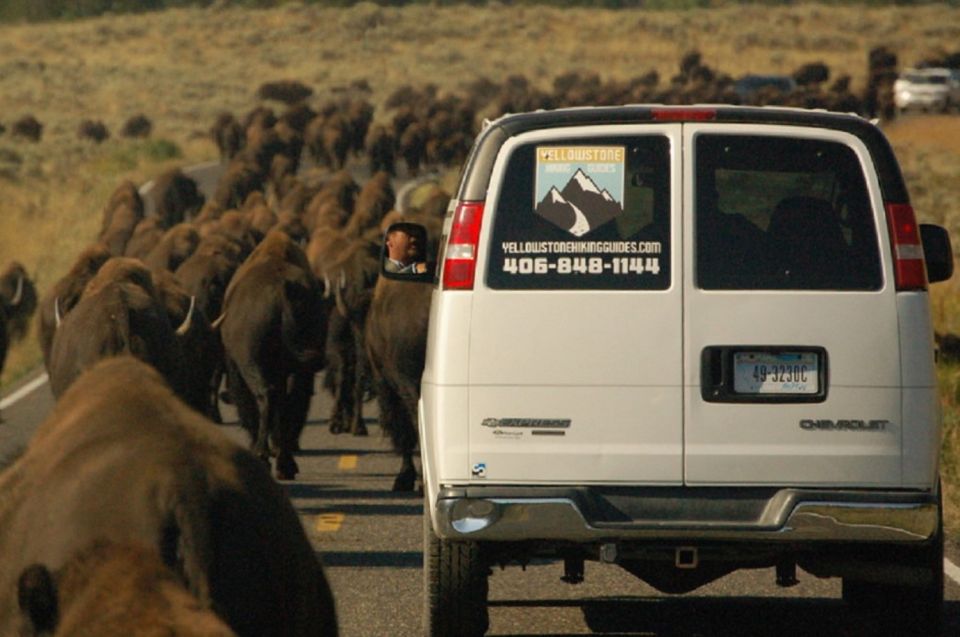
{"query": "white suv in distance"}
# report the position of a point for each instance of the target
(936, 89)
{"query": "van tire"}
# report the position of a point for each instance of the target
(455, 587)
(915, 610)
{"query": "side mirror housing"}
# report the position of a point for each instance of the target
(937, 252)
(403, 254)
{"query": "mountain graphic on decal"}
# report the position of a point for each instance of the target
(580, 207)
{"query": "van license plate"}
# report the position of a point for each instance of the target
(776, 373)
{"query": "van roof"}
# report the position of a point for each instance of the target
(479, 165)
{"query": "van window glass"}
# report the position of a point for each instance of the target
(580, 213)
(778, 213)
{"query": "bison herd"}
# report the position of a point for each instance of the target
(180, 303)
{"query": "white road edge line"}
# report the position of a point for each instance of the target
(23, 391)
(949, 568)
(952, 570)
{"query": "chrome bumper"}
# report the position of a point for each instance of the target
(596, 515)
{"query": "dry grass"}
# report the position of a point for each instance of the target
(182, 67)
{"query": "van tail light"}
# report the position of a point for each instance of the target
(460, 259)
(910, 270)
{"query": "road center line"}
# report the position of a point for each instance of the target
(347, 463)
(24, 391)
(952, 570)
(329, 522)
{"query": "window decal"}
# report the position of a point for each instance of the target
(579, 188)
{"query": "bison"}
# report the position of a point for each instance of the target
(122, 459)
(396, 339)
(119, 312)
(227, 134)
(176, 197)
(18, 296)
(65, 293)
(137, 126)
(121, 215)
(348, 267)
(273, 329)
(94, 130)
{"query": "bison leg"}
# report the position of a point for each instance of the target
(395, 421)
(339, 344)
(256, 405)
(296, 407)
(241, 396)
(407, 478)
(356, 383)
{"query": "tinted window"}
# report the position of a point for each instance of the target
(782, 213)
(584, 214)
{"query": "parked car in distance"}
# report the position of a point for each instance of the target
(931, 89)
(748, 86)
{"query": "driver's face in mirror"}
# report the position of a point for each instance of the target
(404, 252)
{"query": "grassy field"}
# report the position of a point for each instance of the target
(182, 67)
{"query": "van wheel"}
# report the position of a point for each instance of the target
(455, 587)
(915, 610)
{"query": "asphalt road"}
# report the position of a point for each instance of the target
(370, 541)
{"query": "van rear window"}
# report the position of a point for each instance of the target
(584, 214)
(782, 213)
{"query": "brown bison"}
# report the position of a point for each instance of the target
(65, 293)
(146, 235)
(227, 134)
(94, 130)
(119, 312)
(396, 341)
(27, 127)
(273, 330)
(176, 197)
(113, 589)
(121, 215)
(381, 149)
(173, 248)
(122, 459)
(18, 296)
(137, 126)
(348, 268)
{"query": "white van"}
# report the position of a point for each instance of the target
(684, 340)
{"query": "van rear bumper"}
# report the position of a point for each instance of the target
(596, 514)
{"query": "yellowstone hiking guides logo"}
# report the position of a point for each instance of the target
(580, 188)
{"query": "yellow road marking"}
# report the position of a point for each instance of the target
(329, 522)
(347, 463)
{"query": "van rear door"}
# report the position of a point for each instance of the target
(790, 319)
(576, 325)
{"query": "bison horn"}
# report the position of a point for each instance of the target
(216, 324)
(18, 295)
(326, 286)
(343, 279)
(185, 326)
(56, 311)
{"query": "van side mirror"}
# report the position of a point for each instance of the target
(937, 252)
(403, 256)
